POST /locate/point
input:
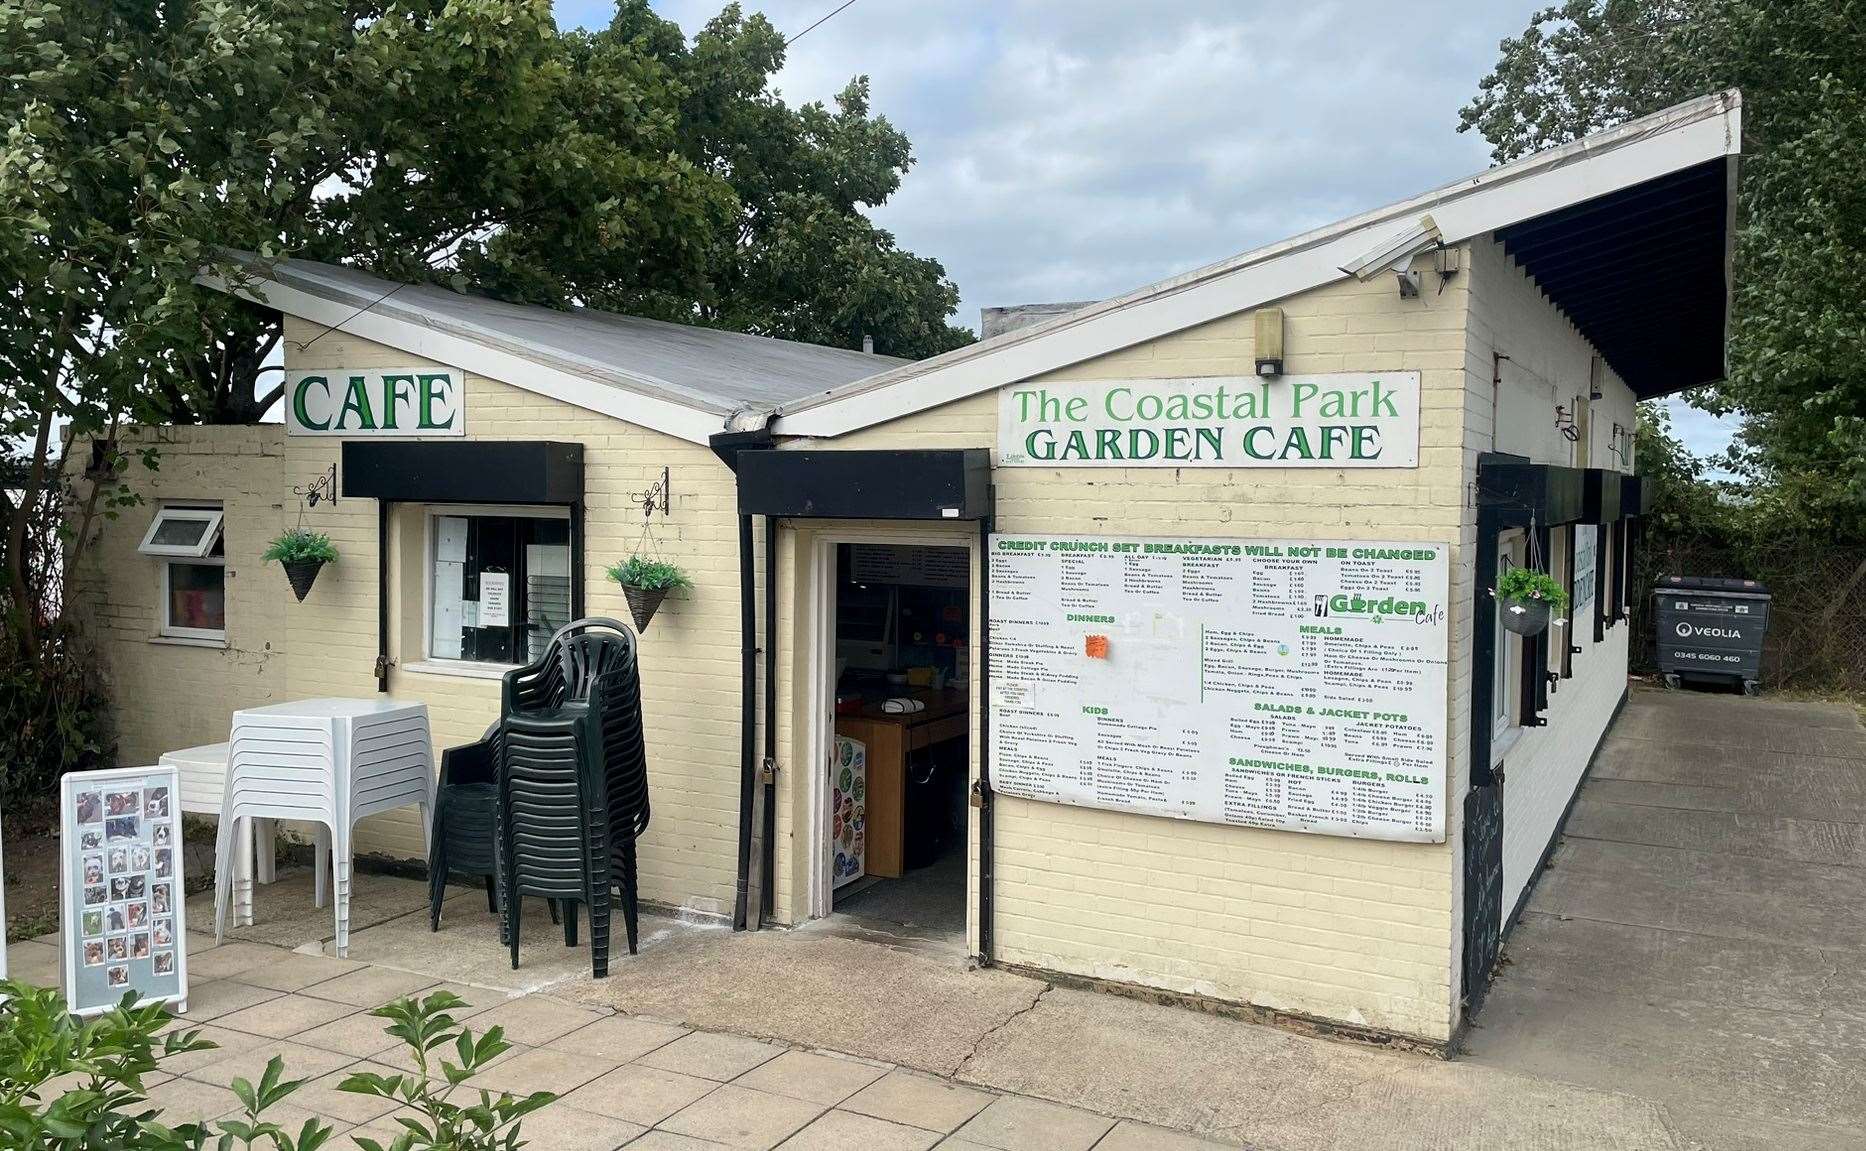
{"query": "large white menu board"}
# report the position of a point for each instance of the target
(1295, 684)
(120, 900)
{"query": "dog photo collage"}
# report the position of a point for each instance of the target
(127, 911)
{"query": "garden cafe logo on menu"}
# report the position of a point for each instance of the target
(1340, 420)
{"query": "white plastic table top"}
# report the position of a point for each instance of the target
(331, 707)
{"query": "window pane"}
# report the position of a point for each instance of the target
(501, 586)
(547, 583)
(173, 532)
(197, 596)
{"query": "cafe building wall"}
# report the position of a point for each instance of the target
(1354, 930)
(172, 691)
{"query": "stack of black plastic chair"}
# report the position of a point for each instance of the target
(463, 835)
(573, 782)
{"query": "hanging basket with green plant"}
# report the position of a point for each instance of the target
(302, 553)
(1529, 598)
(645, 583)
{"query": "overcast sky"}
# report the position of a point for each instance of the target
(1075, 149)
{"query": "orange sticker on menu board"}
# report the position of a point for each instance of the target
(1095, 646)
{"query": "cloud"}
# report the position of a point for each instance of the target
(1077, 149)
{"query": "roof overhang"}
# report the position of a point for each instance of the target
(1701, 134)
(691, 422)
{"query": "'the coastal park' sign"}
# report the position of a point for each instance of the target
(1339, 420)
(375, 402)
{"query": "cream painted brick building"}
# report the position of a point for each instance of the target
(1471, 287)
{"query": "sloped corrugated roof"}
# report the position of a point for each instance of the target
(708, 368)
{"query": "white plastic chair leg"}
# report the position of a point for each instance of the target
(321, 866)
(265, 837)
(340, 865)
(243, 874)
(223, 874)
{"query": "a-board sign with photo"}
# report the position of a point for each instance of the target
(120, 907)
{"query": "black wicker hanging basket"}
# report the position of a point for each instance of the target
(643, 602)
(1526, 616)
(302, 574)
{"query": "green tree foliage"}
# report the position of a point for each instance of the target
(1796, 369)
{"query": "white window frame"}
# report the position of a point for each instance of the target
(196, 554)
(211, 516)
(447, 665)
(1506, 672)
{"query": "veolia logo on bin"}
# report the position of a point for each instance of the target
(1690, 631)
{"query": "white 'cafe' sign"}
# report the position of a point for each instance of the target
(1338, 420)
(375, 402)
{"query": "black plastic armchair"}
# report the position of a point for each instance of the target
(462, 837)
(572, 782)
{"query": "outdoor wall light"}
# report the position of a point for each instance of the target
(1269, 342)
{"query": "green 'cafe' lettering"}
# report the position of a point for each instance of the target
(298, 402)
(432, 388)
(356, 399)
(392, 397)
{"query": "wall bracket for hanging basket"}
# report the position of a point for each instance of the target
(643, 602)
(302, 574)
(1526, 616)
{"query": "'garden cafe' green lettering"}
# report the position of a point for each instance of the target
(1131, 423)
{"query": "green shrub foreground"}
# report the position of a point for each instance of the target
(73, 1083)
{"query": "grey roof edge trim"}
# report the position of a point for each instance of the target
(388, 306)
(1708, 106)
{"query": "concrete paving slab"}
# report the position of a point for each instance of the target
(712, 1056)
(743, 1118)
(1728, 833)
(211, 1000)
(1588, 957)
(825, 1079)
(1731, 897)
(301, 1062)
(285, 916)
(1131, 1136)
(187, 1100)
(1280, 1091)
(226, 1043)
(359, 1036)
(228, 960)
(1019, 1123)
(33, 961)
(370, 986)
(467, 947)
(322, 1096)
(619, 1038)
(1767, 1065)
(640, 1094)
(847, 1131)
(915, 1010)
(296, 972)
(285, 1016)
(534, 1020)
(1700, 940)
(918, 1101)
(542, 1069)
(564, 1128)
(668, 1141)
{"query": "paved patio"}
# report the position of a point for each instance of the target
(1688, 977)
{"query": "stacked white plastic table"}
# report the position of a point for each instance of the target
(328, 762)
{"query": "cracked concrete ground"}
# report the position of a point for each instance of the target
(1699, 939)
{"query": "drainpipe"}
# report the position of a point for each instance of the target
(982, 797)
(747, 431)
(768, 770)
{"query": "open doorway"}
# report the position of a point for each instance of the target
(895, 796)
